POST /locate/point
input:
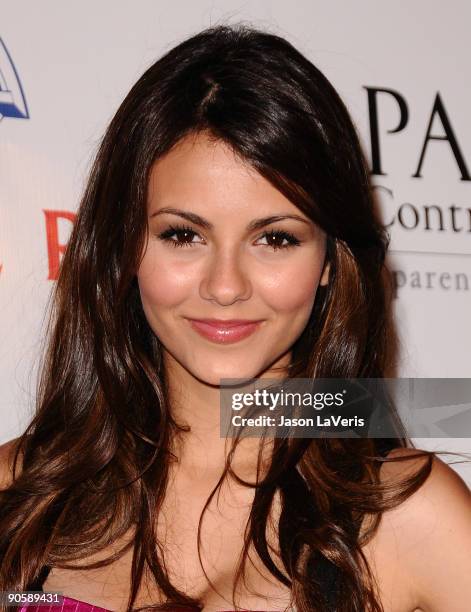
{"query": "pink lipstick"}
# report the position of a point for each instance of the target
(224, 331)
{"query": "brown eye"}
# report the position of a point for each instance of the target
(184, 236)
(275, 239)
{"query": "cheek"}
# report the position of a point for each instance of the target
(292, 290)
(162, 285)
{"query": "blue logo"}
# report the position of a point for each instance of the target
(12, 99)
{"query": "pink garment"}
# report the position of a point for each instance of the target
(69, 604)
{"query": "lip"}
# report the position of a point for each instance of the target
(225, 331)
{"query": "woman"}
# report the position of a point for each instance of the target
(229, 186)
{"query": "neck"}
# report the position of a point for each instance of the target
(201, 451)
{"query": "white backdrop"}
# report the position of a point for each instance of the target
(401, 67)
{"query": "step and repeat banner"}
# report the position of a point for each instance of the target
(401, 69)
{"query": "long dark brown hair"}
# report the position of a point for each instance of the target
(94, 461)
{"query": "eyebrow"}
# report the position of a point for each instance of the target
(197, 220)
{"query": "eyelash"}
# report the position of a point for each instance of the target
(178, 229)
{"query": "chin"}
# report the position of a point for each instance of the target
(213, 376)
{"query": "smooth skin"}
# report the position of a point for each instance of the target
(421, 554)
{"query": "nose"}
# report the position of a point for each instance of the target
(226, 279)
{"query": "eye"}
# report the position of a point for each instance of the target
(275, 239)
(183, 232)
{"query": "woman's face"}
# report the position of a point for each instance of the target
(218, 265)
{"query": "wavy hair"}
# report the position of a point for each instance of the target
(93, 463)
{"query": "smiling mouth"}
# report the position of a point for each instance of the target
(224, 332)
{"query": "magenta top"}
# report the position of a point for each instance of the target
(69, 604)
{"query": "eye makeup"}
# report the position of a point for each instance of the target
(275, 238)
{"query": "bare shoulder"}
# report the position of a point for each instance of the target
(444, 489)
(429, 534)
(411, 460)
(7, 455)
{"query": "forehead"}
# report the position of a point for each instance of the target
(205, 174)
